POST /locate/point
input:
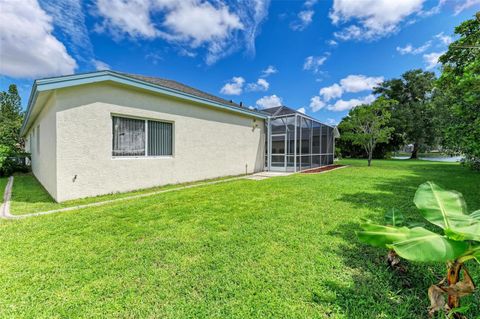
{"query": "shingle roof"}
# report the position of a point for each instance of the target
(174, 85)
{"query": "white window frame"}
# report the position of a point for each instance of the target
(146, 156)
(38, 139)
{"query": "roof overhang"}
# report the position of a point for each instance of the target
(50, 84)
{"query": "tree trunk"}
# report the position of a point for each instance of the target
(414, 151)
(453, 276)
(370, 158)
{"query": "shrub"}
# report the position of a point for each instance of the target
(11, 162)
(458, 243)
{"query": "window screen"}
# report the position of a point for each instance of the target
(128, 137)
(159, 138)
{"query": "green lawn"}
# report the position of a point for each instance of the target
(3, 183)
(29, 196)
(278, 248)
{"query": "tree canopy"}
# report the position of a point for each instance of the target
(457, 96)
(366, 125)
(412, 116)
(11, 117)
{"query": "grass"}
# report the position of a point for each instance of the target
(3, 183)
(29, 196)
(423, 155)
(279, 248)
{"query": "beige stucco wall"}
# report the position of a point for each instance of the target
(43, 158)
(208, 142)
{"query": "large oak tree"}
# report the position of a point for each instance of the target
(413, 116)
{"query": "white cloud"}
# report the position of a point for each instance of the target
(29, 49)
(234, 87)
(126, 17)
(405, 50)
(269, 101)
(342, 105)
(349, 33)
(194, 24)
(100, 65)
(409, 49)
(269, 71)
(373, 19)
(331, 92)
(301, 110)
(445, 39)
(260, 85)
(310, 3)
(316, 104)
(332, 121)
(358, 83)
(332, 43)
(154, 57)
(313, 63)
(434, 10)
(252, 13)
(305, 18)
(69, 20)
(465, 5)
(350, 84)
(431, 59)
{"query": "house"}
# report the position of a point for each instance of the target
(104, 132)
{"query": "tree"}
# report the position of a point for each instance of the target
(458, 243)
(11, 143)
(457, 96)
(413, 116)
(11, 118)
(366, 125)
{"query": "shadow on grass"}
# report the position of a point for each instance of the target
(27, 189)
(374, 290)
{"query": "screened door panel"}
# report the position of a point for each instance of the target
(278, 161)
(278, 144)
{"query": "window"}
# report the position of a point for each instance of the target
(38, 139)
(135, 137)
(30, 141)
(159, 138)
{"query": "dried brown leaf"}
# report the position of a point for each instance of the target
(437, 299)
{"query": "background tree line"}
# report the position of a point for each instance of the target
(12, 154)
(424, 110)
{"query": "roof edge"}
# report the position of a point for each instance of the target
(54, 83)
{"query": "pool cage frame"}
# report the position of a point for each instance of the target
(296, 142)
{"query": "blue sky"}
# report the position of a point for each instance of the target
(322, 57)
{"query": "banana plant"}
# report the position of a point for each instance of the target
(458, 243)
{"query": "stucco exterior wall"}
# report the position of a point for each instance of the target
(208, 143)
(43, 158)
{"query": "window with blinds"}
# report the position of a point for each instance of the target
(135, 137)
(159, 138)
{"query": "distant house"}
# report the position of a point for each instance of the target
(104, 132)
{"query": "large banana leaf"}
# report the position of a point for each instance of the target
(447, 209)
(423, 245)
(476, 215)
(394, 218)
(476, 254)
(381, 236)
